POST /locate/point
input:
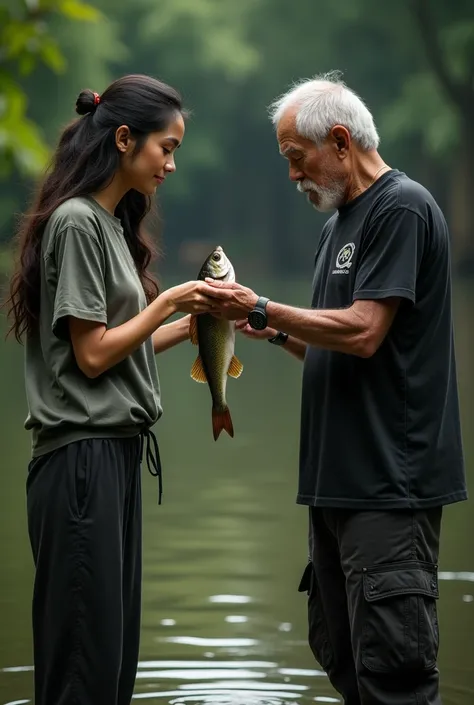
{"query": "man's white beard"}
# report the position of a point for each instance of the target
(329, 197)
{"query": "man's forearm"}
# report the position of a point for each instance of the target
(356, 330)
(341, 330)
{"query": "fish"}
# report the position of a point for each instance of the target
(215, 338)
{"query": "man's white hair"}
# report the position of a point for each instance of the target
(323, 102)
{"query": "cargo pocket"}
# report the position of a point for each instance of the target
(400, 630)
(318, 635)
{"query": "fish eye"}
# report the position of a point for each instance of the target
(216, 256)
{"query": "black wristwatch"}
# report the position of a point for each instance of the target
(279, 339)
(257, 317)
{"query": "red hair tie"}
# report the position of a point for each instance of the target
(96, 99)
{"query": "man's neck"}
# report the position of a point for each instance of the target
(367, 168)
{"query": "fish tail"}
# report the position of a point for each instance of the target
(221, 419)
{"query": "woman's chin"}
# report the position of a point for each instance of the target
(148, 190)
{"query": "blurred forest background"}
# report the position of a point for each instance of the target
(412, 62)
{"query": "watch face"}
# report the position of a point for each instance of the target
(257, 320)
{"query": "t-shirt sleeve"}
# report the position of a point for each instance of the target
(80, 288)
(391, 255)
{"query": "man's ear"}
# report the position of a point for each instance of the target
(341, 140)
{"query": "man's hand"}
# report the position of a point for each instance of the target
(233, 301)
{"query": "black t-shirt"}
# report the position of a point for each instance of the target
(384, 432)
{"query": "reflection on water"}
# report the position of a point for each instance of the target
(450, 575)
(211, 678)
(223, 622)
(230, 599)
(227, 682)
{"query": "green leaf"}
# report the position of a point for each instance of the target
(26, 64)
(76, 10)
(21, 143)
(30, 153)
(52, 56)
(19, 37)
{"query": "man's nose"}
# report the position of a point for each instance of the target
(296, 174)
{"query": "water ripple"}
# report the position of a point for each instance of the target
(198, 674)
(249, 685)
(230, 599)
(223, 697)
(201, 641)
(206, 664)
(451, 575)
(236, 682)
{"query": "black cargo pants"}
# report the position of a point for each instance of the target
(372, 588)
(85, 527)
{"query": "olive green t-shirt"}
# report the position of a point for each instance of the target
(87, 272)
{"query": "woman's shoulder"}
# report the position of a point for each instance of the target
(75, 218)
(77, 212)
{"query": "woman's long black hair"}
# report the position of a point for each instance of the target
(85, 162)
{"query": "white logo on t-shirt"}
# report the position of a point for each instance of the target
(344, 259)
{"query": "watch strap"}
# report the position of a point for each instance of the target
(261, 304)
(279, 339)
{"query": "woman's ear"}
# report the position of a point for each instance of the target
(123, 139)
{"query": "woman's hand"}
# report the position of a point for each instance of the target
(190, 297)
(293, 346)
(250, 332)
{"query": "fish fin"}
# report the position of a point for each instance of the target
(197, 371)
(221, 420)
(193, 331)
(235, 367)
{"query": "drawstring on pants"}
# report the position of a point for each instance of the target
(152, 458)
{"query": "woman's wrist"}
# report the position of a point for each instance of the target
(184, 323)
(166, 304)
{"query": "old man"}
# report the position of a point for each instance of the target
(380, 438)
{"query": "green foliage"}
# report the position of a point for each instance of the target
(77, 10)
(21, 145)
(25, 44)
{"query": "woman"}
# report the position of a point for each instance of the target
(93, 317)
